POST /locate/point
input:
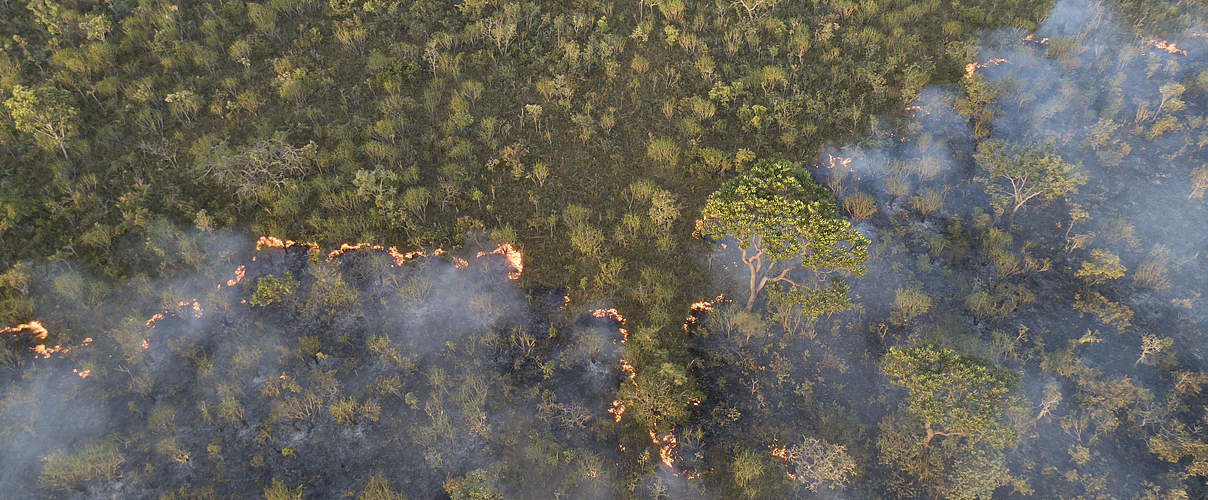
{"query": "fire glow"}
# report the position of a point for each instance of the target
(972, 67)
(1169, 47)
(512, 255)
(1032, 38)
(666, 447)
(838, 161)
(697, 308)
(33, 326)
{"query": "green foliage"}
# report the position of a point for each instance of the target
(273, 289)
(279, 491)
(783, 222)
(1102, 266)
(45, 112)
(96, 461)
(1016, 174)
(955, 395)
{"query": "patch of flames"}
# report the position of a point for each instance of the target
(838, 161)
(617, 409)
(81, 373)
(972, 67)
(782, 452)
(1032, 38)
(701, 307)
(239, 273)
(1169, 47)
(666, 447)
(512, 255)
(35, 327)
(275, 242)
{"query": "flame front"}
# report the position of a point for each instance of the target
(971, 68)
(512, 255)
(36, 327)
(701, 307)
(1169, 47)
(666, 447)
(1032, 38)
(783, 453)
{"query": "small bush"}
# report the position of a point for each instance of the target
(860, 205)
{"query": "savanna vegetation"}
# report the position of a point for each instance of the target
(388, 249)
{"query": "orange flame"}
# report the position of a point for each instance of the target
(81, 373)
(194, 304)
(34, 326)
(512, 255)
(617, 409)
(275, 242)
(146, 345)
(782, 453)
(701, 307)
(1032, 38)
(1169, 47)
(974, 66)
(666, 447)
(610, 313)
(239, 273)
(460, 263)
(838, 161)
(153, 319)
(46, 352)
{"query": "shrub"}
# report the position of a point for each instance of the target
(860, 205)
(93, 461)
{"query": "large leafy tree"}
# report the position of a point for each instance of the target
(1015, 174)
(963, 401)
(953, 394)
(790, 234)
(45, 112)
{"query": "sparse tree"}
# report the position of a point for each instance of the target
(1152, 344)
(1016, 174)
(814, 462)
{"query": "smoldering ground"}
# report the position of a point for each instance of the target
(354, 365)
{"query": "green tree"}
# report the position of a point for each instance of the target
(964, 401)
(1015, 174)
(44, 111)
(954, 395)
(790, 234)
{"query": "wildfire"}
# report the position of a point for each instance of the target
(617, 409)
(239, 273)
(838, 161)
(153, 319)
(915, 107)
(460, 263)
(194, 305)
(34, 326)
(1032, 38)
(666, 447)
(146, 344)
(81, 373)
(46, 352)
(974, 66)
(610, 313)
(275, 242)
(701, 307)
(513, 257)
(1167, 46)
(782, 452)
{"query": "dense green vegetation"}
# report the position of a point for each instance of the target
(997, 288)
